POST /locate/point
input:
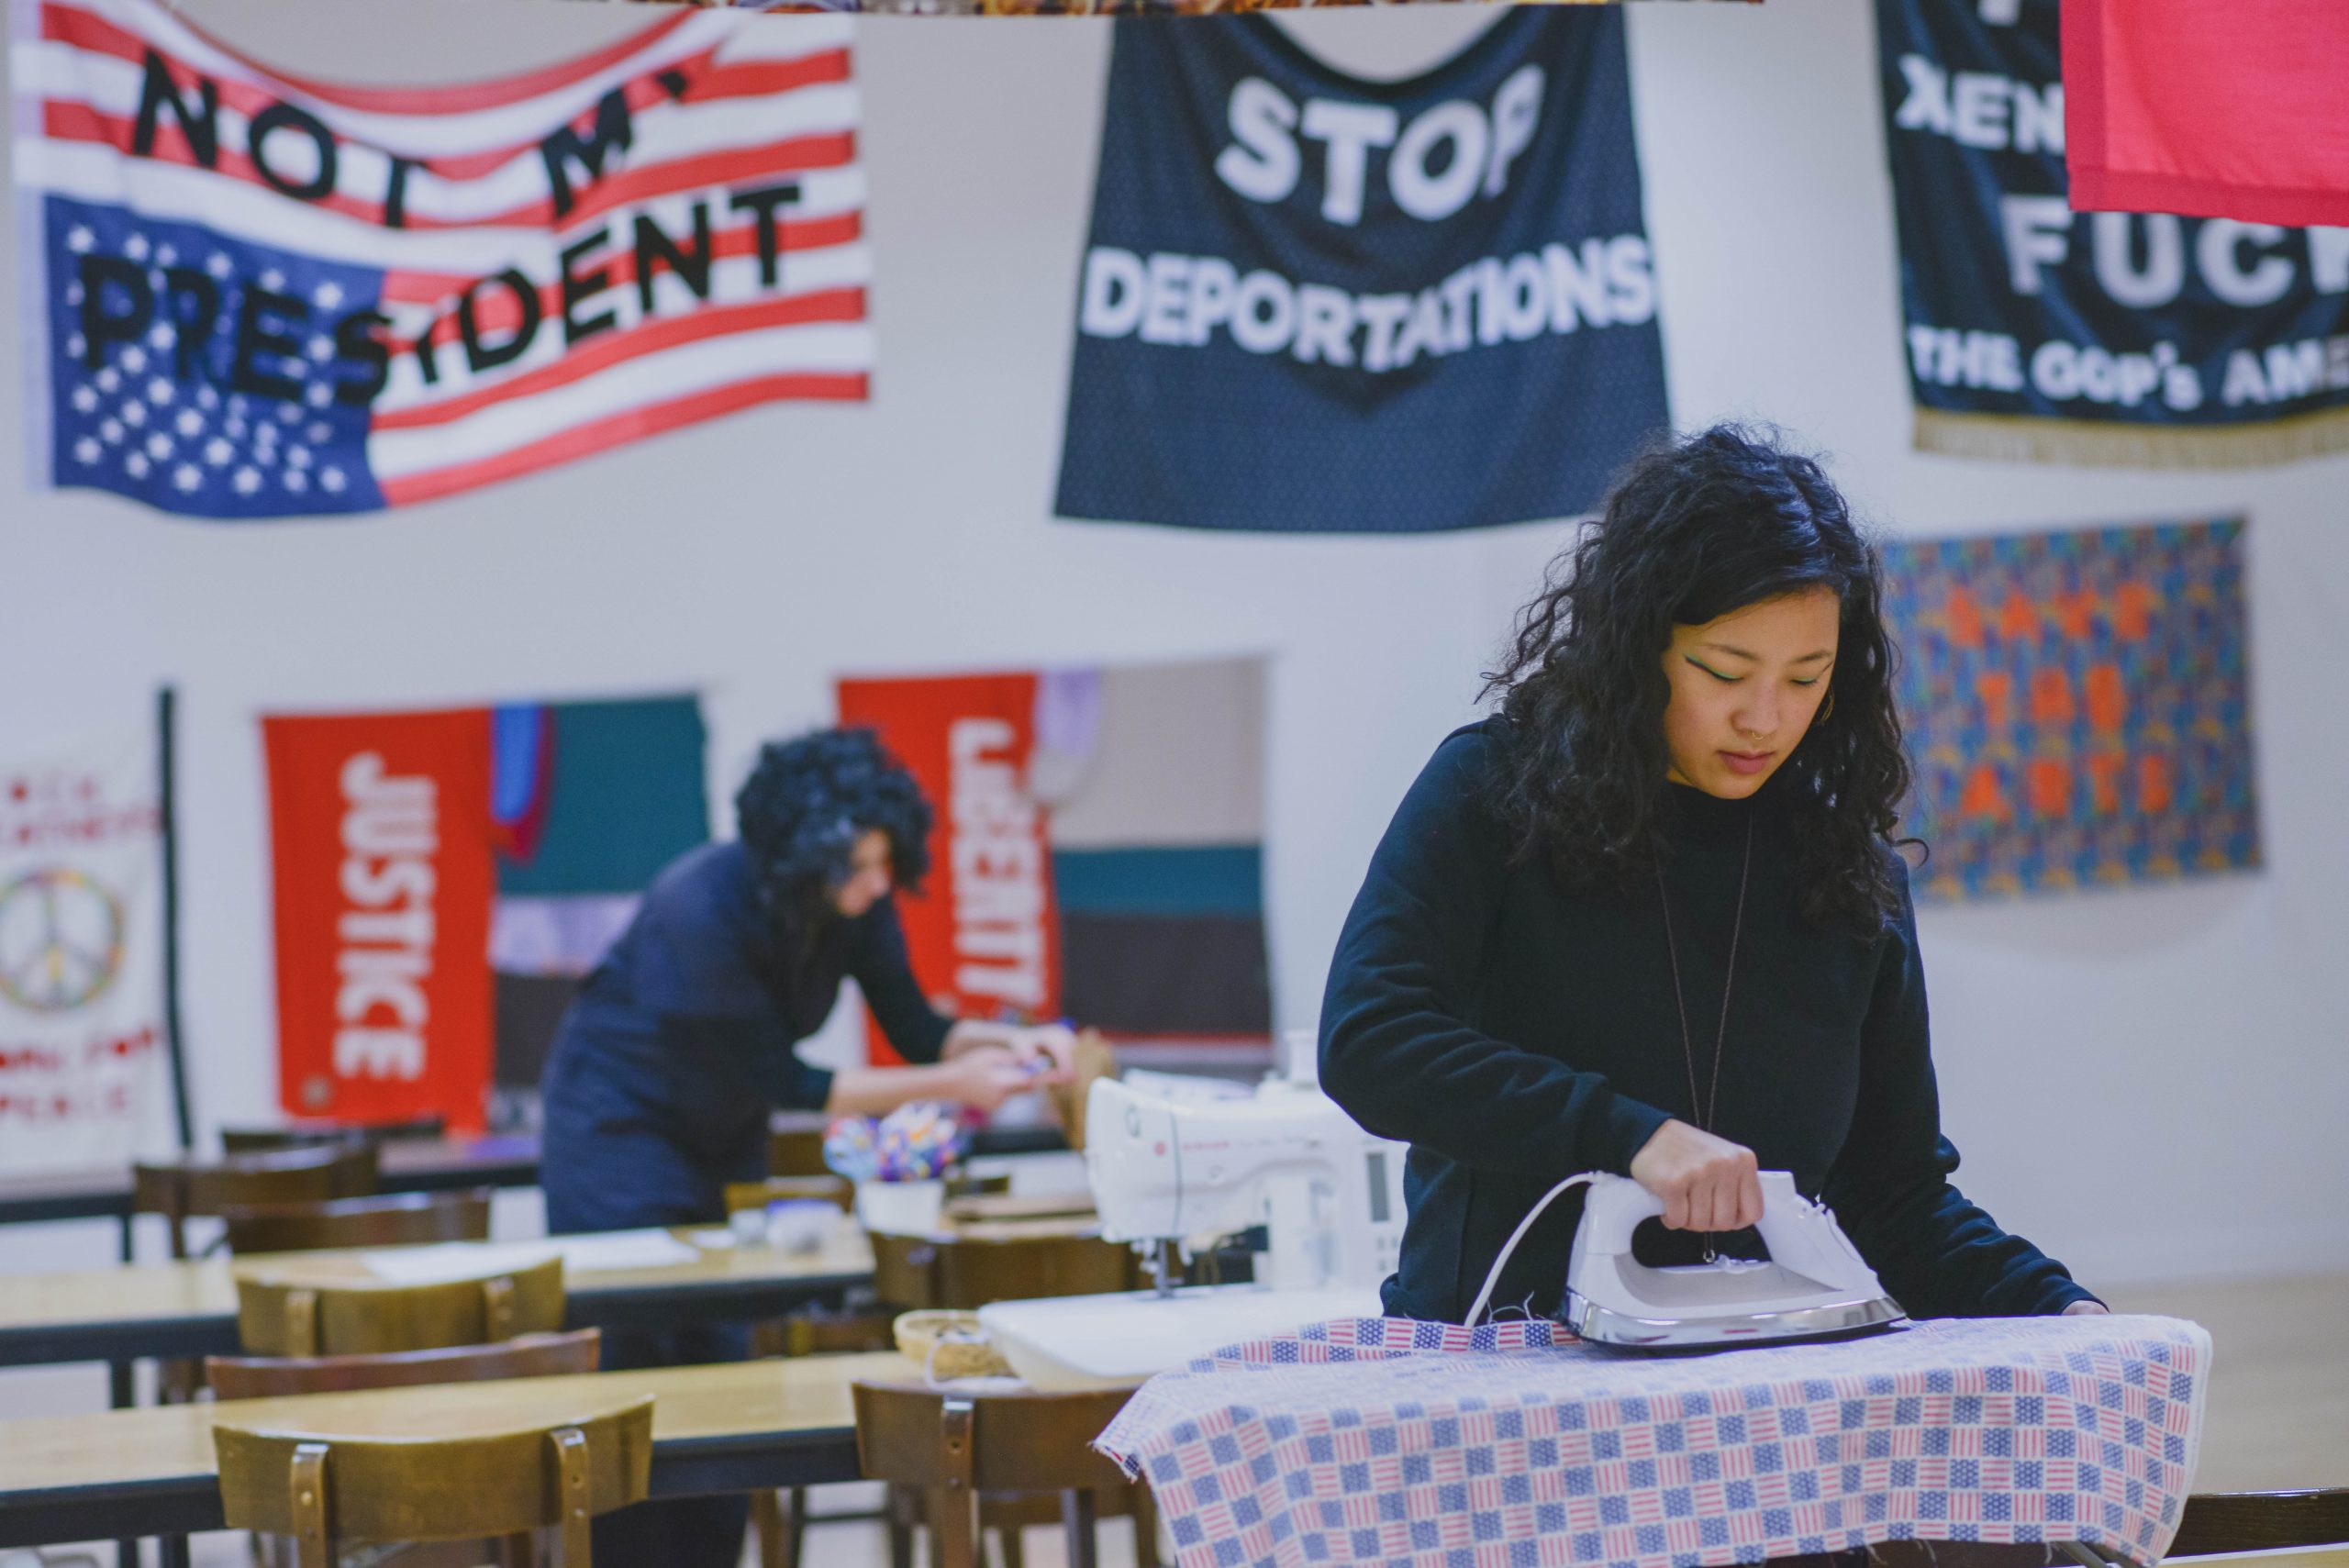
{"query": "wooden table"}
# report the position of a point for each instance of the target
(133, 1310)
(123, 1474)
(408, 1165)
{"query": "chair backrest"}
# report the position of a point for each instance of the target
(905, 1271)
(972, 1272)
(322, 1489)
(783, 1189)
(314, 1135)
(292, 1313)
(531, 1355)
(397, 1219)
(968, 1272)
(797, 1152)
(1092, 1059)
(180, 1188)
(963, 1184)
(2216, 1522)
(1022, 1441)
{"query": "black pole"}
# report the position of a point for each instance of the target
(167, 805)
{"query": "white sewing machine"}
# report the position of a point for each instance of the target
(1176, 1166)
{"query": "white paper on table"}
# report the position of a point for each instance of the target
(447, 1261)
(711, 1241)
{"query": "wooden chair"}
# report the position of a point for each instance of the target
(911, 1273)
(972, 1271)
(826, 1188)
(963, 1184)
(314, 1135)
(797, 1152)
(904, 1272)
(528, 1355)
(397, 1219)
(182, 1189)
(295, 1315)
(954, 1450)
(2217, 1522)
(811, 1331)
(323, 1490)
(1094, 1059)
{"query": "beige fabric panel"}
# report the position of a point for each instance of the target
(1178, 759)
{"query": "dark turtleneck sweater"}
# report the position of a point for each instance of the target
(1515, 1032)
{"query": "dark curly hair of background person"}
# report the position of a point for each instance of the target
(808, 802)
(1693, 529)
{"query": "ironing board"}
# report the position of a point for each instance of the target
(1514, 1445)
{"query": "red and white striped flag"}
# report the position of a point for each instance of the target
(256, 295)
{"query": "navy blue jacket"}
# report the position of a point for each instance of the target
(1515, 1032)
(657, 1090)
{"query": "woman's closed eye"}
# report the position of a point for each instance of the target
(1734, 679)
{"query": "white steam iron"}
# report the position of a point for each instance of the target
(1814, 1285)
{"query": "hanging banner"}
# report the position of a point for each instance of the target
(2079, 705)
(984, 936)
(1071, 7)
(254, 296)
(2037, 334)
(2222, 111)
(1311, 303)
(589, 801)
(1110, 822)
(380, 834)
(81, 1050)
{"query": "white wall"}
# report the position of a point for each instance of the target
(2148, 1083)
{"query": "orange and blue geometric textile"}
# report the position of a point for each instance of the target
(1428, 1445)
(2078, 705)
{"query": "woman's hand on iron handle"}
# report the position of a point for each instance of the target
(1706, 1183)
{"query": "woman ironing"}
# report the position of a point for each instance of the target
(1648, 919)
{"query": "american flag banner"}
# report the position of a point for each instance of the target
(253, 295)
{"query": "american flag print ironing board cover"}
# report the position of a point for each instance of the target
(1514, 1445)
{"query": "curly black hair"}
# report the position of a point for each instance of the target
(1695, 528)
(805, 806)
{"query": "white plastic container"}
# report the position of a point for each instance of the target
(900, 1209)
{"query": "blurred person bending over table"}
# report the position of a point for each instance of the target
(658, 1088)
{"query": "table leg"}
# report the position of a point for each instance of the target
(1077, 1518)
(122, 1391)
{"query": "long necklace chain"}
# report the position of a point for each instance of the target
(1703, 1109)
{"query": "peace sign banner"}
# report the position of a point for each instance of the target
(82, 957)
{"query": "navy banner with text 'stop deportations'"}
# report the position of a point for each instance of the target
(1312, 303)
(2037, 333)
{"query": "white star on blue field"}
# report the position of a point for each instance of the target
(199, 398)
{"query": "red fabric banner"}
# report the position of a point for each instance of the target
(2212, 111)
(381, 830)
(984, 935)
